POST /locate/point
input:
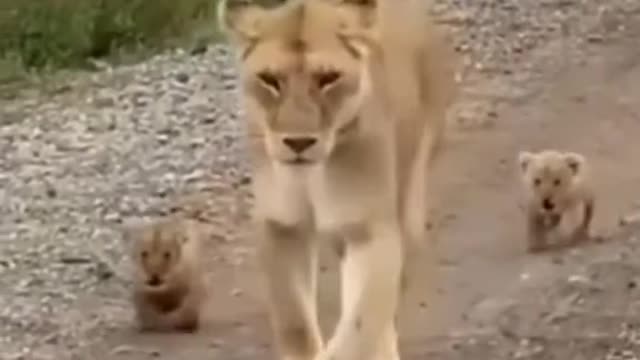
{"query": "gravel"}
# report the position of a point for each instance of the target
(122, 145)
(145, 140)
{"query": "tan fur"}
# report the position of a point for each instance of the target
(557, 185)
(169, 288)
(345, 104)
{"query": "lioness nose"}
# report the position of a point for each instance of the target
(299, 144)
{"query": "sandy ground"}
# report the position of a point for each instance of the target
(79, 161)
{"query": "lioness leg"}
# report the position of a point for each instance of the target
(370, 285)
(289, 257)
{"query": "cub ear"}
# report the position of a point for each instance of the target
(575, 161)
(131, 230)
(241, 20)
(524, 159)
(193, 230)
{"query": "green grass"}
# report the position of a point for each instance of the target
(46, 35)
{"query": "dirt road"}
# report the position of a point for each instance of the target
(585, 103)
(573, 89)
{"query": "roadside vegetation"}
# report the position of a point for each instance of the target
(41, 36)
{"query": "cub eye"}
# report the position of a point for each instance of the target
(537, 181)
(556, 182)
(144, 255)
(270, 80)
(167, 255)
(327, 78)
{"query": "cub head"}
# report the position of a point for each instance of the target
(550, 177)
(158, 251)
(304, 72)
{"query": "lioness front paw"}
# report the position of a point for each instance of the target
(330, 355)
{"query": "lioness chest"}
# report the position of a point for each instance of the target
(329, 197)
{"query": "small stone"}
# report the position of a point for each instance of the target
(216, 344)
(51, 192)
(124, 350)
(578, 279)
(103, 102)
(632, 285)
(154, 353)
(595, 38)
(113, 217)
(74, 260)
(182, 77)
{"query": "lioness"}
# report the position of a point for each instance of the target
(345, 103)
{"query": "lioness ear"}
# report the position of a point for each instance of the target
(359, 31)
(361, 42)
(575, 161)
(524, 159)
(241, 20)
(364, 10)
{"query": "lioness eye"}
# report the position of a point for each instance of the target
(327, 78)
(269, 80)
(536, 182)
(556, 182)
(144, 254)
(167, 255)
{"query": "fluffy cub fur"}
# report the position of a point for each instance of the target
(345, 107)
(169, 288)
(557, 186)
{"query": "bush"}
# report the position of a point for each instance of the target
(39, 34)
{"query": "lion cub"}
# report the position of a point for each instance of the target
(169, 288)
(557, 186)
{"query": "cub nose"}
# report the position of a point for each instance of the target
(547, 204)
(154, 280)
(299, 144)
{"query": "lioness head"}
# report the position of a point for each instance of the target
(550, 177)
(304, 72)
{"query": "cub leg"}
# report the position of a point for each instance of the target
(148, 319)
(187, 316)
(289, 259)
(536, 233)
(370, 279)
(582, 232)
